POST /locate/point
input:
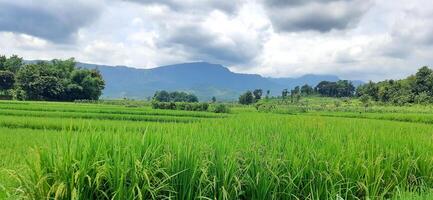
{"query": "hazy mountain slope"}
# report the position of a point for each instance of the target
(203, 79)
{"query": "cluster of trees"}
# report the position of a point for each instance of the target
(251, 97)
(164, 96)
(8, 70)
(56, 80)
(416, 88)
(341, 88)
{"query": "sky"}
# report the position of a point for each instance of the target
(354, 39)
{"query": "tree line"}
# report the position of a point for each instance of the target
(184, 101)
(56, 80)
(164, 96)
(341, 88)
(416, 89)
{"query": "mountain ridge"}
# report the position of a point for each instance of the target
(201, 78)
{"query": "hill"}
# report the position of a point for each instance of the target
(201, 78)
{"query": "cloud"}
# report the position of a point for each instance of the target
(228, 6)
(219, 38)
(56, 21)
(204, 45)
(319, 15)
(356, 39)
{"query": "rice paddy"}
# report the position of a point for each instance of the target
(92, 151)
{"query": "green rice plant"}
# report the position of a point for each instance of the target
(59, 154)
(118, 117)
(403, 117)
(252, 156)
(106, 110)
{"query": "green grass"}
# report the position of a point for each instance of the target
(246, 155)
(403, 117)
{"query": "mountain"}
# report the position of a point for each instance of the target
(201, 78)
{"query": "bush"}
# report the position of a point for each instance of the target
(266, 107)
(180, 106)
(221, 108)
(422, 98)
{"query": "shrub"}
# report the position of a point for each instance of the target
(180, 106)
(221, 108)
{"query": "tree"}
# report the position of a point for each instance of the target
(246, 98)
(307, 90)
(284, 93)
(37, 85)
(416, 88)
(341, 88)
(50, 88)
(162, 96)
(12, 64)
(83, 84)
(344, 88)
(191, 98)
(2, 62)
(424, 81)
(268, 92)
(327, 88)
(7, 80)
(422, 98)
(59, 80)
(296, 90)
(370, 89)
(213, 99)
(257, 94)
(92, 84)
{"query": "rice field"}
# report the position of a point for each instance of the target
(92, 151)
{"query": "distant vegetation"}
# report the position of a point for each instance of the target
(180, 106)
(184, 101)
(342, 88)
(56, 80)
(164, 96)
(416, 89)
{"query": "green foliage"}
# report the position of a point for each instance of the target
(307, 90)
(164, 96)
(423, 98)
(189, 106)
(12, 64)
(247, 98)
(246, 155)
(417, 89)
(7, 80)
(370, 89)
(284, 93)
(59, 80)
(85, 84)
(341, 88)
(424, 81)
(365, 99)
(257, 94)
(220, 108)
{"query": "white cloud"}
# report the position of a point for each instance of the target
(354, 39)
